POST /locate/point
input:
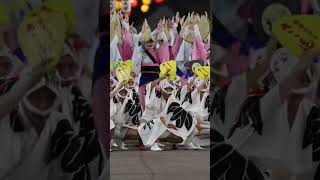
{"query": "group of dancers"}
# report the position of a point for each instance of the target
(152, 107)
(47, 128)
(265, 113)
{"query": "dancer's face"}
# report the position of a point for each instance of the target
(166, 93)
(149, 45)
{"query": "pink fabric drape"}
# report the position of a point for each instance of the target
(163, 53)
(142, 94)
(199, 51)
(176, 46)
(236, 63)
(126, 47)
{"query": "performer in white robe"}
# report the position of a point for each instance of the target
(79, 114)
(164, 118)
(281, 141)
(28, 128)
(181, 90)
(126, 116)
(199, 105)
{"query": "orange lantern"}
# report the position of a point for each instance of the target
(144, 8)
(118, 5)
(159, 1)
(134, 3)
(146, 2)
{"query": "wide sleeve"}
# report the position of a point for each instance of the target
(176, 46)
(150, 95)
(136, 59)
(199, 50)
(114, 51)
(163, 52)
(126, 47)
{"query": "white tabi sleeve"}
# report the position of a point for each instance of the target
(180, 59)
(114, 51)
(136, 59)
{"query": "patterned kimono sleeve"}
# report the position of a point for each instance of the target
(312, 136)
(137, 59)
(150, 95)
(227, 163)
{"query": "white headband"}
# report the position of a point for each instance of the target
(166, 84)
(35, 110)
(119, 95)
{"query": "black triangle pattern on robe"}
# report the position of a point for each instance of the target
(228, 164)
(249, 114)
(16, 122)
(158, 94)
(15, 119)
(312, 136)
(135, 97)
(180, 115)
(6, 85)
(207, 103)
(312, 126)
(148, 124)
(218, 103)
(134, 111)
(188, 98)
(75, 150)
(178, 95)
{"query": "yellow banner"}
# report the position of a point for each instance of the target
(41, 36)
(129, 63)
(203, 72)
(170, 66)
(298, 33)
(123, 73)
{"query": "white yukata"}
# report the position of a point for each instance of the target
(171, 110)
(114, 51)
(125, 115)
(181, 94)
(278, 146)
(113, 111)
(26, 154)
(235, 96)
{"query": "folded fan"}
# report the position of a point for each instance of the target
(42, 35)
(170, 66)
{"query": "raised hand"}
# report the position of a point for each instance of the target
(178, 17)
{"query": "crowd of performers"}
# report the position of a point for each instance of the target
(265, 113)
(151, 108)
(46, 120)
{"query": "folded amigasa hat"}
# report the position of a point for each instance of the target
(146, 32)
(204, 27)
(43, 32)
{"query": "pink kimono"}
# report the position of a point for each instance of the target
(236, 63)
(160, 55)
(126, 47)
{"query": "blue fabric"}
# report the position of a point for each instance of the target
(226, 39)
(101, 62)
(18, 52)
(250, 42)
(147, 78)
(185, 75)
